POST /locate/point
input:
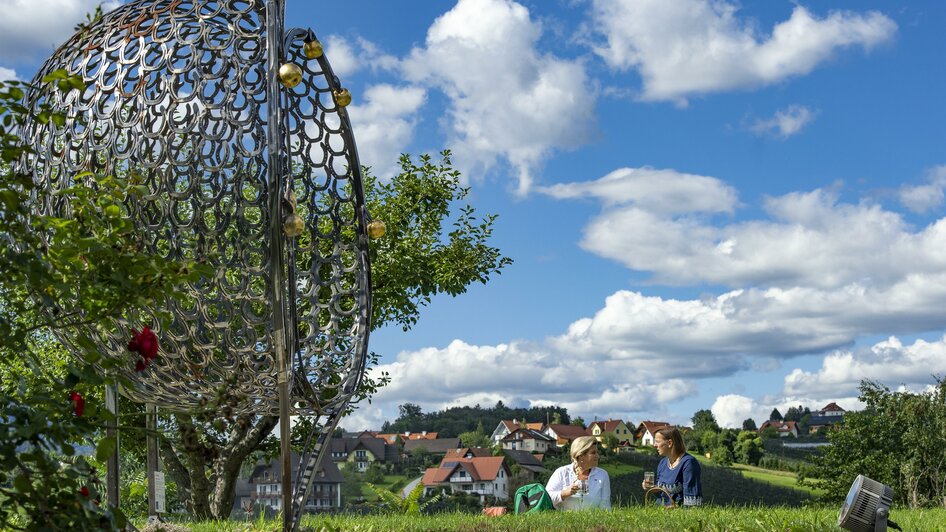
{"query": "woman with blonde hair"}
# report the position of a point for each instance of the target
(678, 473)
(581, 484)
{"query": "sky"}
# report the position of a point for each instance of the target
(710, 204)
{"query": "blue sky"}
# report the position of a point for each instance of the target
(709, 204)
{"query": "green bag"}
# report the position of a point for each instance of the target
(532, 498)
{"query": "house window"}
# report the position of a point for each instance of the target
(361, 455)
(467, 487)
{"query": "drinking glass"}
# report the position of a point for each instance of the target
(649, 478)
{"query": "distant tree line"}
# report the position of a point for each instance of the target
(451, 422)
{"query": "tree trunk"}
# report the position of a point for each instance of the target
(244, 438)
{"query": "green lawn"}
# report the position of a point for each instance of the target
(779, 478)
(615, 469)
(709, 518)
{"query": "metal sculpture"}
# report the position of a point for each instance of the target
(237, 131)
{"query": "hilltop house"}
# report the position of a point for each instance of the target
(644, 435)
(624, 435)
(830, 415)
(486, 476)
(265, 487)
(564, 434)
(527, 440)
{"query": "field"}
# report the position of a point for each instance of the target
(779, 478)
(645, 519)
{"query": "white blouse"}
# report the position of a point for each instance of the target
(599, 489)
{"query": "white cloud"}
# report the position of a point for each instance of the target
(507, 101)
(688, 47)
(385, 124)
(922, 198)
(7, 74)
(731, 410)
(808, 239)
(524, 373)
(888, 361)
(664, 191)
(347, 58)
(30, 29)
(786, 122)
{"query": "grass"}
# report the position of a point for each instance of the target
(709, 518)
(779, 478)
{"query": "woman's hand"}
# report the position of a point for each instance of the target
(647, 484)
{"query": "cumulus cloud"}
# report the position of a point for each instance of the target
(808, 238)
(7, 74)
(350, 56)
(532, 374)
(925, 197)
(30, 29)
(691, 47)
(785, 123)
(507, 101)
(385, 125)
(663, 191)
(888, 361)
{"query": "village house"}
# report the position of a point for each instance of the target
(529, 464)
(617, 427)
(646, 430)
(784, 428)
(264, 487)
(564, 434)
(507, 426)
(360, 452)
(485, 476)
(438, 446)
(527, 440)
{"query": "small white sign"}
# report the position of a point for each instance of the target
(159, 493)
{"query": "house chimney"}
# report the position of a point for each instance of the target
(423, 433)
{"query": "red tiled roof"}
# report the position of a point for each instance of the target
(453, 455)
(649, 426)
(832, 407)
(480, 468)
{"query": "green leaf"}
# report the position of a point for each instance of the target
(106, 448)
(21, 484)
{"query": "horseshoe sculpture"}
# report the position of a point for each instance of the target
(236, 129)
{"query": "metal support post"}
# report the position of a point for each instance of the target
(111, 431)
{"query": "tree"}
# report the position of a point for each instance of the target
(775, 415)
(897, 439)
(610, 442)
(476, 438)
(749, 448)
(704, 420)
(578, 422)
(749, 424)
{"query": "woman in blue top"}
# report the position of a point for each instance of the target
(678, 472)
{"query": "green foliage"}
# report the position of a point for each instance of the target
(452, 422)
(749, 424)
(897, 439)
(412, 504)
(60, 274)
(476, 438)
(418, 257)
(775, 415)
(749, 448)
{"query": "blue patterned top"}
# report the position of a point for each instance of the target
(683, 481)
